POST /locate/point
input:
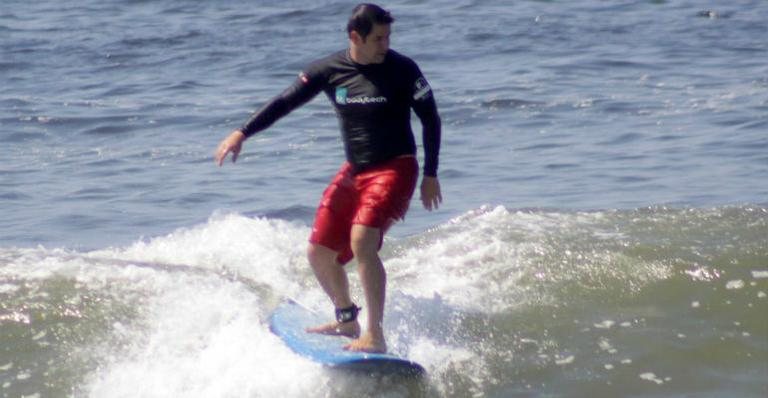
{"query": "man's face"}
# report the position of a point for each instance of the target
(373, 48)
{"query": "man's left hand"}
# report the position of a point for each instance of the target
(430, 193)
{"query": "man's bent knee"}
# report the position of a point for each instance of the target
(319, 255)
(365, 241)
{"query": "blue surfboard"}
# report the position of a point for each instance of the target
(290, 320)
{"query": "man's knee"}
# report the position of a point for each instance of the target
(365, 241)
(319, 255)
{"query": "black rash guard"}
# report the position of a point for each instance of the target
(373, 103)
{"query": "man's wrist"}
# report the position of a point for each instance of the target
(242, 134)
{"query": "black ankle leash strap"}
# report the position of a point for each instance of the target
(349, 314)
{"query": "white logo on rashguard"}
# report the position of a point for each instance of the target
(423, 90)
(342, 98)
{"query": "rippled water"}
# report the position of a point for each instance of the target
(603, 232)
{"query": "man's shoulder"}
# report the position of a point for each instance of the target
(399, 58)
(403, 63)
(330, 60)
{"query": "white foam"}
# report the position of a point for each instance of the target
(734, 284)
(201, 296)
(197, 326)
(606, 324)
(649, 376)
(441, 359)
(472, 262)
(760, 274)
(7, 288)
(565, 360)
(605, 345)
(206, 337)
(493, 260)
(435, 356)
(263, 250)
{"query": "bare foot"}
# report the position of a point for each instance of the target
(368, 343)
(348, 329)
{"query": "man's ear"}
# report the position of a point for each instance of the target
(356, 38)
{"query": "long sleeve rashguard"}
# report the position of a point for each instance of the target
(373, 104)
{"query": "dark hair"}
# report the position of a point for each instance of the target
(364, 16)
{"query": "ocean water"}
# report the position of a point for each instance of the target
(604, 230)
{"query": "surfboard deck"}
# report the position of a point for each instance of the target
(290, 320)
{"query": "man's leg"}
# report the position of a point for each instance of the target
(365, 245)
(334, 282)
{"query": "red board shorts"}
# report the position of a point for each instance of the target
(376, 197)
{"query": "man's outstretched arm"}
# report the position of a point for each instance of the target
(293, 97)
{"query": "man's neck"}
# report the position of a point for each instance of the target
(355, 55)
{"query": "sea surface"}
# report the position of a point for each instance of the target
(604, 231)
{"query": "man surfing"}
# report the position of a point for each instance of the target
(373, 90)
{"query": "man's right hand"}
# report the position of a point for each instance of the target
(233, 143)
